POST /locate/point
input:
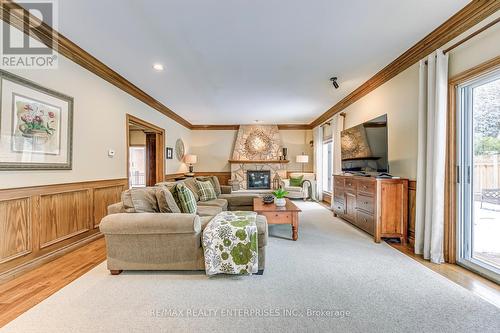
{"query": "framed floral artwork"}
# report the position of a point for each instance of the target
(36, 126)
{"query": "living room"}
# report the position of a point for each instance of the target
(268, 165)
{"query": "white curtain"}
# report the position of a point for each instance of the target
(318, 161)
(337, 127)
(432, 117)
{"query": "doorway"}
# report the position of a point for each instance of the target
(145, 153)
(478, 157)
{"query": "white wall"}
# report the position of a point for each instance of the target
(215, 147)
(99, 124)
(399, 99)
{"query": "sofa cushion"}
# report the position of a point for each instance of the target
(208, 210)
(204, 221)
(140, 200)
(166, 200)
(239, 199)
(222, 203)
(186, 198)
(215, 182)
(206, 190)
(296, 181)
(311, 176)
(293, 188)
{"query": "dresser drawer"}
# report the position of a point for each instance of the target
(350, 184)
(366, 187)
(338, 208)
(365, 222)
(338, 182)
(365, 203)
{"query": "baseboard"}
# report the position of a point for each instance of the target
(37, 262)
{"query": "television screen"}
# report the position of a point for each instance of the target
(364, 147)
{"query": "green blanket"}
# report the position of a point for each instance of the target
(230, 244)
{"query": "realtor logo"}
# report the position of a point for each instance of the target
(25, 50)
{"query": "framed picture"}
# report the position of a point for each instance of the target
(36, 126)
(170, 153)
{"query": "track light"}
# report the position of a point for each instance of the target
(334, 82)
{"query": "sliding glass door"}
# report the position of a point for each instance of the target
(478, 151)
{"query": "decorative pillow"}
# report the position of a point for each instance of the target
(140, 200)
(166, 200)
(296, 181)
(206, 190)
(215, 182)
(190, 183)
(186, 199)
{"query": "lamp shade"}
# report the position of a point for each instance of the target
(190, 159)
(302, 159)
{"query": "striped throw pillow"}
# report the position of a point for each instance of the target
(186, 199)
(206, 190)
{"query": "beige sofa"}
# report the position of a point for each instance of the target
(305, 191)
(168, 241)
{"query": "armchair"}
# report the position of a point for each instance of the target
(307, 190)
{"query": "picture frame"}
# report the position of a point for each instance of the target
(170, 153)
(36, 126)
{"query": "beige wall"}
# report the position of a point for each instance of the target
(214, 148)
(99, 125)
(137, 138)
(399, 99)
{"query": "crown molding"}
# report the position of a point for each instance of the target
(473, 13)
(15, 15)
(282, 127)
(466, 18)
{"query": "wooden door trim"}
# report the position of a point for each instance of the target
(160, 145)
(450, 216)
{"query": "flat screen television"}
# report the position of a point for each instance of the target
(364, 147)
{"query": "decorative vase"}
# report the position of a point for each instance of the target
(280, 202)
(285, 153)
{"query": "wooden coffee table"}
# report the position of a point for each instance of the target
(288, 214)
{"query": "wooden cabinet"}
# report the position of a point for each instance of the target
(376, 206)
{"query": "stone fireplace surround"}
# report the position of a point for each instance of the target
(259, 143)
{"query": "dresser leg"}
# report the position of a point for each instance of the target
(116, 271)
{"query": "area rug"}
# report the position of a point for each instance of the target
(334, 278)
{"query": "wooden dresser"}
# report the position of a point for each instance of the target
(377, 206)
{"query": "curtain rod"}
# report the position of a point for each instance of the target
(475, 33)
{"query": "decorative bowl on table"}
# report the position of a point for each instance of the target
(268, 199)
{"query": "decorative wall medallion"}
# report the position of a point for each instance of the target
(179, 149)
(257, 142)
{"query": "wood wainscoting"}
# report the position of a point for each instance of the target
(39, 223)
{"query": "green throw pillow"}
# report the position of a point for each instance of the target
(206, 190)
(296, 181)
(186, 199)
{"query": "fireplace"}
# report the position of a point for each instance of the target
(259, 179)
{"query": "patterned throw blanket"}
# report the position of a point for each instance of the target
(230, 244)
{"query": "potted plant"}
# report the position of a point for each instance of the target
(280, 197)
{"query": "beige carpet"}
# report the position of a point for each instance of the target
(351, 284)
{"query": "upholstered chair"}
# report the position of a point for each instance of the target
(306, 189)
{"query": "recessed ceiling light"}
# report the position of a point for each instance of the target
(158, 67)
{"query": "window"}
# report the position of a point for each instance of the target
(327, 156)
(478, 152)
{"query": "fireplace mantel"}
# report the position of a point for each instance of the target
(258, 161)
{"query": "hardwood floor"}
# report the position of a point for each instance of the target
(24, 292)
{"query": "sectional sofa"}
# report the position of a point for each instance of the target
(170, 241)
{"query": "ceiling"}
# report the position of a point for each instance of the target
(236, 61)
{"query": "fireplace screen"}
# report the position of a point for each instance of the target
(259, 179)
